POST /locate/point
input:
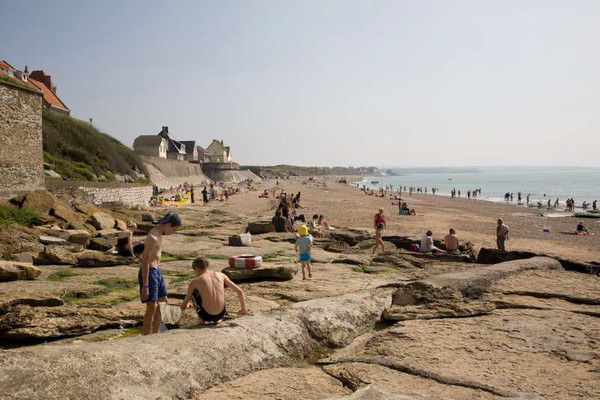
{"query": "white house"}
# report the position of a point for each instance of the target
(150, 145)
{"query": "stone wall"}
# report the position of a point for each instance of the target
(21, 157)
(167, 173)
(98, 193)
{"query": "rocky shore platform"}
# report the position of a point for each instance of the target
(397, 325)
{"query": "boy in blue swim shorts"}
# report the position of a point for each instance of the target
(304, 249)
(152, 283)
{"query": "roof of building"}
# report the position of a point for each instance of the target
(201, 150)
(173, 146)
(49, 96)
(5, 65)
(189, 146)
(147, 140)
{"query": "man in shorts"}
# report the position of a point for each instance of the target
(152, 283)
(207, 293)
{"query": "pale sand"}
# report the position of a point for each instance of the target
(474, 220)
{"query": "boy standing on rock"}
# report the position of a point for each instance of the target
(152, 283)
(304, 248)
(207, 292)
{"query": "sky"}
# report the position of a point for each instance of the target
(328, 83)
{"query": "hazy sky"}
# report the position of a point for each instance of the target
(406, 83)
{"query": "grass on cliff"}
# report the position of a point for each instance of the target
(81, 152)
(10, 215)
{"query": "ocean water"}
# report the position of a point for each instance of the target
(582, 184)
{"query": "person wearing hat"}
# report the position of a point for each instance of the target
(304, 249)
(152, 283)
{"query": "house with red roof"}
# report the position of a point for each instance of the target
(40, 81)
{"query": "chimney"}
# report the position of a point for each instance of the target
(165, 129)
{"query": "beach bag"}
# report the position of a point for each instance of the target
(414, 247)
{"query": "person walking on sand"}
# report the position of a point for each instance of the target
(380, 224)
(501, 234)
(152, 283)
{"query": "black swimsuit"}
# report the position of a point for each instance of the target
(202, 312)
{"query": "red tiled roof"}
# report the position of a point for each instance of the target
(5, 65)
(49, 96)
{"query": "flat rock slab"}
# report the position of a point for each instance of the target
(376, 392)
(351, 259)
(264, 273)
(357, 375)
(396, 259)
(260, 227)
(58, 255)
(136, 367)
(548, 353)
(309, 383)
(494, 256)
(435, 310)
(350, 236)
(102, 221)
(26, 322)
(472, 282)
(94, 259)
(51, 240)
(17, 271)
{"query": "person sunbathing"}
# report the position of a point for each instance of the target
(581, 230)
(321, 221)
(427, 245)
(314, 228)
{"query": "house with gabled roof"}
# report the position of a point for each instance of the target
(151, 146)
(191, 150)
(219, 153)
(175, 148)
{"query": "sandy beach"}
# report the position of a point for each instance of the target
(474, 220)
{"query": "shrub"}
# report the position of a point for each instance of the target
(10, 215)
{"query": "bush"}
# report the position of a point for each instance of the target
(10, 215)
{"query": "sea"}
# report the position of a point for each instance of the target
(541, 183)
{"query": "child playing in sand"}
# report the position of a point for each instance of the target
(304, 249)
(207, 292)
(152, 283)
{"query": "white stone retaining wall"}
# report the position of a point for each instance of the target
(98, 193)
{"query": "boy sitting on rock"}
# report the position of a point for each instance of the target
(207, 292)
